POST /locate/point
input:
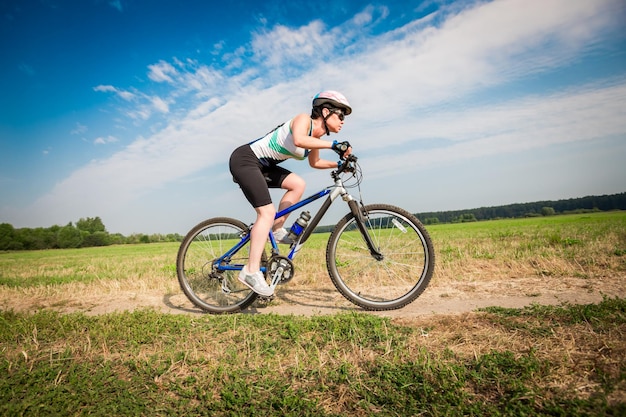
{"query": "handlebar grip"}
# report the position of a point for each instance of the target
(347, 165)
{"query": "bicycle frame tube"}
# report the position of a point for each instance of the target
(231, 252)
(302, 203)
(333, 192)
(336, 192)
(246, 238)
(320, 213)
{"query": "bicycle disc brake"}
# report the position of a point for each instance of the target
(280, 269)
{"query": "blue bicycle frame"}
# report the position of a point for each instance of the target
(333, 192)
(223, 263)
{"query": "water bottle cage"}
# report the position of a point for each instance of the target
(299, 225)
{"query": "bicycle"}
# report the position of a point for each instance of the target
(378, 256)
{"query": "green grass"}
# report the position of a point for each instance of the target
(566, 245)
(542, 320)
(57, 267)
(579, 245)
(147, 363)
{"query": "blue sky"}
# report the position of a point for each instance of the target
(129, 109)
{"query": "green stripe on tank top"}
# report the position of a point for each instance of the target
(273, 144)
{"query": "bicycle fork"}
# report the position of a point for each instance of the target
(355, 209)
(360, 220)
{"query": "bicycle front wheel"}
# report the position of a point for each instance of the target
(208, 283)
(386, 282)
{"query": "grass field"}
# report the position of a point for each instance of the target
(574, 245)
(539, 360)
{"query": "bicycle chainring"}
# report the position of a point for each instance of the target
(282, 266)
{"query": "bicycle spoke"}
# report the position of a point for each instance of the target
(205, 284)
(393, 281)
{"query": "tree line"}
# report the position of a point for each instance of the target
(538, 208)
(87, 232)
(512, 211)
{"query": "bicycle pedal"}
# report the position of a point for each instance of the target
(265, 299)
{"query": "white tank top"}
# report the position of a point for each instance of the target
(278, 145)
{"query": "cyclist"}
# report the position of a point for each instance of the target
(255, 167)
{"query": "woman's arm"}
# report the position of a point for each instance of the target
(300, 126)
(316, 162)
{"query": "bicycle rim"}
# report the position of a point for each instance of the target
(399, 277)
(213, 290)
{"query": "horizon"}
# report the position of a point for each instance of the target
(424, 221)
(128, 110)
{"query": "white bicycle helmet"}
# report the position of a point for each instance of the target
(333, 99)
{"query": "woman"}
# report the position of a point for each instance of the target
(255, 168)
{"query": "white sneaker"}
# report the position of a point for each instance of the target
(256, 282)
(281, 236)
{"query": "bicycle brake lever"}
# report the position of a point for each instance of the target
(346, 164)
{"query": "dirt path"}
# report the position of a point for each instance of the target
(449, 299)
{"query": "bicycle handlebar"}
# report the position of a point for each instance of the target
(347, 165)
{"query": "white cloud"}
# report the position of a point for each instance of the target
(283, 45)
(287, 52)
(162, 72)
(160, 104)
(126, 95)
(105, 140)
(489, 45)
(79, 129)
(139, 113)
(533, 123)
(105, 88)
(218, 48)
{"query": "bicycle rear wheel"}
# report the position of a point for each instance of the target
(407, 263)
(205, 283)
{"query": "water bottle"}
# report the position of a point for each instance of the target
(299, 225)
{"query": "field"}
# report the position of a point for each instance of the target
(106, 331)
(575, 258)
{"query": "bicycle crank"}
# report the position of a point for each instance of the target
(280, 269)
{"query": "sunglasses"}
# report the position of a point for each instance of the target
(339, 114)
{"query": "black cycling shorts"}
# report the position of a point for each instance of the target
(254, 178)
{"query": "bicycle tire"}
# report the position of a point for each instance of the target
(211, 290)
(392, 282)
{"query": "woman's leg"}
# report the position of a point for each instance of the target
(295, 186)
(258, 236)
(247, 172)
